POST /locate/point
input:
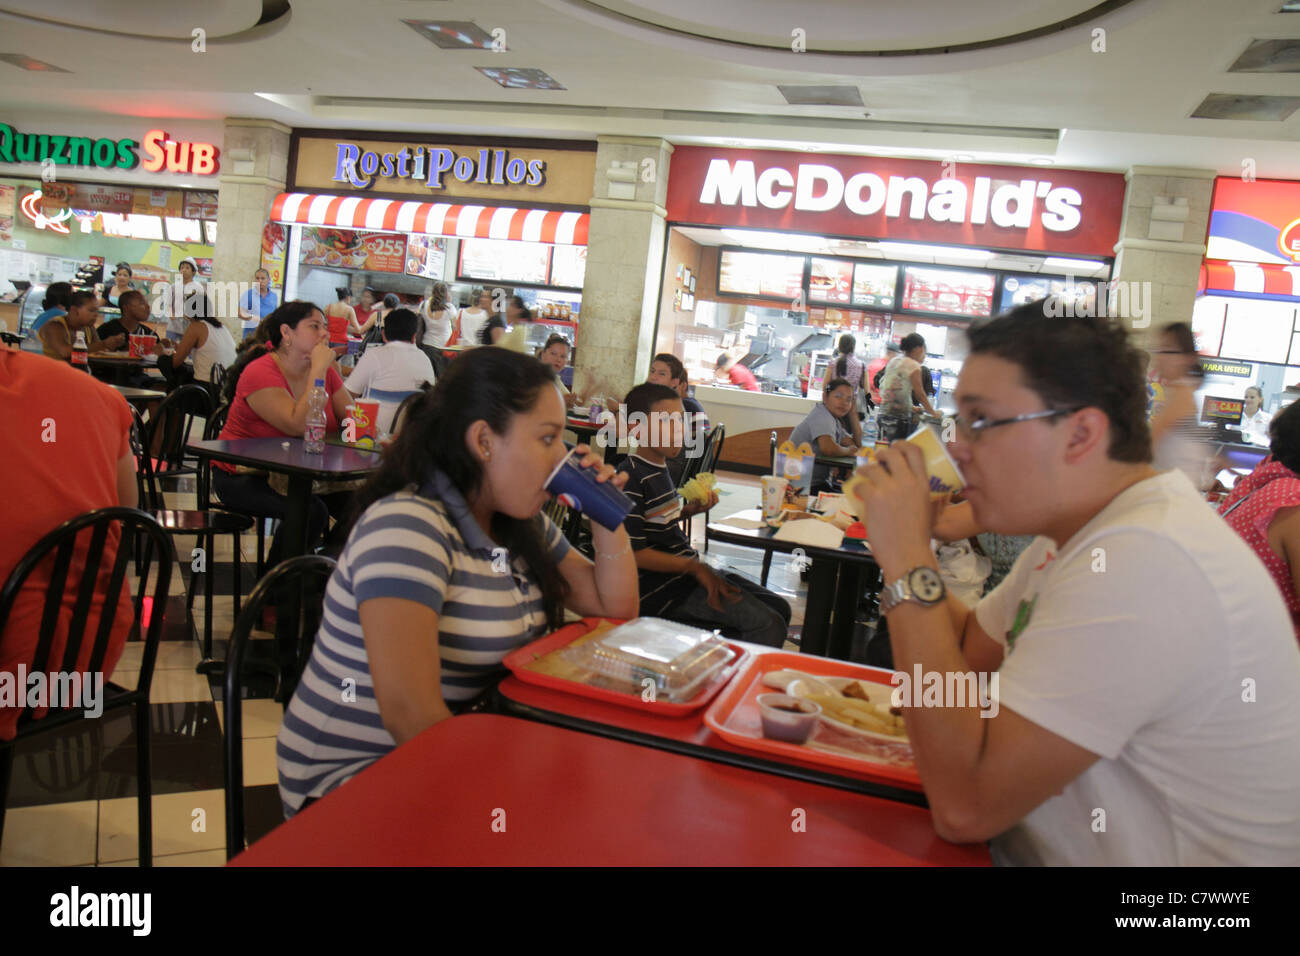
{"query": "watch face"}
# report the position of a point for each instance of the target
(926, 585)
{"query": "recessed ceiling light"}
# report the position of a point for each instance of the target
(1072, 265)
(1043, 161)
(964, 158)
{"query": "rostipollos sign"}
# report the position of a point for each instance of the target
(155, 152)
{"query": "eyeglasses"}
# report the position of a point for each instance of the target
(970, 430)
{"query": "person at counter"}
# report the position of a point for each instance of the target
(831, 428)
(364, 309)
(258, 302)
(846, 366)
(437, 318)
(342, 320)
(188, 300)
(876, 370)
(55, 303)
(1264, 508)
(736, 373)
(509, 330)
(901, 388)
(1254, 420)
(1120, 639)
(122, 284)
(472, 320)
(59, 333)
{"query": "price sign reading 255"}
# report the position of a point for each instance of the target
(381, 246)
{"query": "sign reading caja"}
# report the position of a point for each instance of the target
(161, 153)
(489, 166)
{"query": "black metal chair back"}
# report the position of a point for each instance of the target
(297, 582)
(712, 448)
(62, 636)
(216, 422)
(216, 382)
(171, 427)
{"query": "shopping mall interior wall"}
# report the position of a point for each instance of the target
(683, 253)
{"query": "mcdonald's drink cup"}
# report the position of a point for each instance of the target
(366, 417)
(945, 476)
(773, 495)
(577, 488)
(138, 345)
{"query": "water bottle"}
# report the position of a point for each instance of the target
(870, 431)
(314, 438)
(80, 353)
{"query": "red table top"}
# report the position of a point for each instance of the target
(487, 790)
(690, 729)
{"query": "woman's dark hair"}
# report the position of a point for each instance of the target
(556, 339)
(833, 384)
(1185, 341)
(675, 367)
(400, 325)
(848, 345)
(56, 295)
(343, 292)
(518, 303)
(492, 385)
(268, 331)
(1284, 436)
(80, 298)
(911, 341)
(120, 266)
(1074, 362)
(927, 381)
(391, 301)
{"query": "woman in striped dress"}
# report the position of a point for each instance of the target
(449, 567)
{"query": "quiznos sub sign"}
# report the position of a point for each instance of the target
(433, 165)
(155, 152)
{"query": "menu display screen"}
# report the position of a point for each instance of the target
(568, 266)
(1258, 331)
(426, 256)
(1021, 290)
(831, 280)
(874, 285)
(505, 260)
(948, 292)
(760, 274)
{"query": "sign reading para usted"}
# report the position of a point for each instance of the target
(1010, 207)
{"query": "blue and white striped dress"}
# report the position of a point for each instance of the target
(421, 546)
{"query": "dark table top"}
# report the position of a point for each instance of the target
(513, 792)
(851, 549)
(134, 395)
(288, 456)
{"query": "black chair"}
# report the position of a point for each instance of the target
(56, 549)
(216, 382)
(205, 524)
(170, 429)
(708, 459)
(771, 470)
(303, 578)
(212, 430)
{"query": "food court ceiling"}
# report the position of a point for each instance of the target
(1081, 83)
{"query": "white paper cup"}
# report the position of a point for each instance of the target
(773, 494)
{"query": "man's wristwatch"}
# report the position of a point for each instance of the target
(921, 585)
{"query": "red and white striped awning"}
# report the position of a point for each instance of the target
(1256, 279)
(434, 218)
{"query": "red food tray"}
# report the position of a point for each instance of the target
(735, 718)
(518, 661)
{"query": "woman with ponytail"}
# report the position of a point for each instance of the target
(450, 566)
(269, 389)
(849, 368)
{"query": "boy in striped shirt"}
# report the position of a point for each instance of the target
(674, 583)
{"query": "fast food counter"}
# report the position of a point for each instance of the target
(750, 418)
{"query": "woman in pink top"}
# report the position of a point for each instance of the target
(1264, 508)
(271, 398)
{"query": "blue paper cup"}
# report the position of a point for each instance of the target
(577, 488)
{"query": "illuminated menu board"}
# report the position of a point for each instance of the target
(948, 292)
(831, 280)
(504, 260)
(1258, 331)
(873, 285)
(760, 274)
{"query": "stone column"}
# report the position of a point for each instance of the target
(254, 169)
(1162, 243)
(625, 248)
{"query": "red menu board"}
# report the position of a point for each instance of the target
(948, 292)
(345, 249)
(831, 280)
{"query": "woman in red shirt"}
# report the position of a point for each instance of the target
(271, 399)
(1264, 508)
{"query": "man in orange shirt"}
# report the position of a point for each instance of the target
(67, 452)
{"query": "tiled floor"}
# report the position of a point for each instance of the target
(72, 798)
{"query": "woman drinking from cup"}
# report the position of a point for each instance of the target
(449, 567)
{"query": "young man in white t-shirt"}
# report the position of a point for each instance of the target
(389, 373)
(1148, 678)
